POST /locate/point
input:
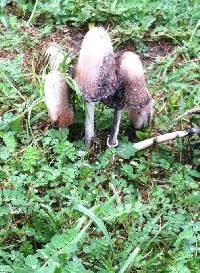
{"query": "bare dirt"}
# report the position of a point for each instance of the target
(70, 39)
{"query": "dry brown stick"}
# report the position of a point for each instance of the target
(165, 138)
(194, 110)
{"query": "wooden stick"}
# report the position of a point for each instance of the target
(195, 110)
(165, 138)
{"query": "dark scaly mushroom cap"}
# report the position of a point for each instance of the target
(131, 91)
(95, 71)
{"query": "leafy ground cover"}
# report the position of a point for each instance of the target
(66, 209)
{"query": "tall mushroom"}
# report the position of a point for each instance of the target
(95, 74)
(132, 95)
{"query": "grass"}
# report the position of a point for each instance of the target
(66, 209)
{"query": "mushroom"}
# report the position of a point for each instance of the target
(60, 110)
(121, 88)
(57, 98)
(95, 74)
(132, 95)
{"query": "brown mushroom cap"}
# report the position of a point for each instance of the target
(95, 70)
(131, 92)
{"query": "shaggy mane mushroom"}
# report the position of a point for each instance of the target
(119, 88)
(57, 99)
(60, 110)
(95, 74)
(132, 95)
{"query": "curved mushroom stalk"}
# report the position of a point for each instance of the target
(112, 140)
(60, 110)
(95, 74)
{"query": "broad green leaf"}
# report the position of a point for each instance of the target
(32, 262)
(126, 151)
(10, 141)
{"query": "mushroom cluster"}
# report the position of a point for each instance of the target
(119, 85)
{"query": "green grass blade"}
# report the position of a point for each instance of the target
(130, 260)
(97, 221)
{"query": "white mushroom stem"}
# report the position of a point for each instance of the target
(89, 123)
(112, 139)
(165, 138)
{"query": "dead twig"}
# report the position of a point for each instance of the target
(165, 138)
(195, 110)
